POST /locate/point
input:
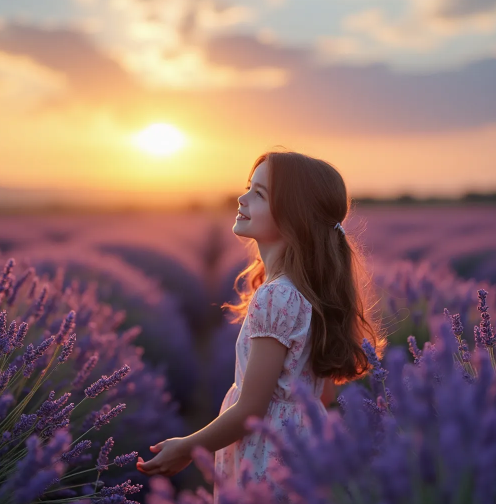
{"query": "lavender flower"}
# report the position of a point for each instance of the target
(103, 456)
(66, 326)
(486, 329)
(342, 402)
(104, 383)
(477, 337)
(57, 421)
(32, 290)
(50, 406)
(67, 348)
(23, 425)
(21, 334)
(6, 341)
(18, 285)
(90, 419)
(412, 346)
(122, 489)
(378, 372)
(37, 470)
(122, 460)
(85, 371)
(456, 326)
(105, 418)
(39, 306)
(6, 375)
(32, 354)
(3, 322)
(5, 278)
(76, 451)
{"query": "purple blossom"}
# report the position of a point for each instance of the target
(456, 325)
(342, 402)
(85, 371)
(39, 306)
(50, 406)
(37, 470)
(486, 329)
(90, 419)
(67, 348)
(104, 383)
(32, 354)
(3, 322)
(66, 327)
(24, 424)
(103, 456)
(6, 375)
(105, 418)
(7, 339)
(55, 422)
(122, 460)
(76, 451)
(21, 334)
(122, 489)
(477, 337)
(5, 278)
(32, 290)
(414, 350)
(378, 372)
(18, 285)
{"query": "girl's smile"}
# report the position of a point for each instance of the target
(240, 216)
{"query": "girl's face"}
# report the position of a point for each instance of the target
(255, 205)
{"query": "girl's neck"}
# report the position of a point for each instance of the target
(271, 280)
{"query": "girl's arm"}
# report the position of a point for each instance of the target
(265, 364)
(329, 393)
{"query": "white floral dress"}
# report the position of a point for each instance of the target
(278, 310)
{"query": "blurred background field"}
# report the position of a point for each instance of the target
(170, 272)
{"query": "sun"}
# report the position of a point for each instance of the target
(159, 139)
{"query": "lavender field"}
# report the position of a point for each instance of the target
(145, 290)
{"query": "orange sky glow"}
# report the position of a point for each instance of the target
(72, 123)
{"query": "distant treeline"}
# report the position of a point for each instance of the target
(231, 204)
(408, 199)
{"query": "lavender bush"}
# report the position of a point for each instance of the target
(42, 445)
(426, 434)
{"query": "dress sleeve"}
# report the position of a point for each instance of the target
(281, 312)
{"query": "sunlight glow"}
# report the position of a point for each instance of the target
(159, 139)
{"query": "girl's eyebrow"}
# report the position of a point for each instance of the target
(260, 185)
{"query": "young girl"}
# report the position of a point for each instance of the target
(302, 310)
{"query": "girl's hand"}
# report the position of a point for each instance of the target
(171, 458)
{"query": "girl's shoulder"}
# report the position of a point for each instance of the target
(280, 285)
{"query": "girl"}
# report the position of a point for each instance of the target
(302, 310)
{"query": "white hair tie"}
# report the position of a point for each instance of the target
(338, 225)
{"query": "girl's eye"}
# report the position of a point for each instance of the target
(257, 192)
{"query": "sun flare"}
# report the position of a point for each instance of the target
(159, 139)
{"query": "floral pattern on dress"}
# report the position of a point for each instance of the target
(278, 310)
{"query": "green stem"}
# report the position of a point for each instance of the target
(70, 499)
(11, 419)
(64, 488)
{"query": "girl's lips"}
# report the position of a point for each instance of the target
(240, 216)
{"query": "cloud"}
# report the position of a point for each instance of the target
(246, 51)
(90, 74)
(24, 83)
(267, 85)
(462, 8)
(423, 26)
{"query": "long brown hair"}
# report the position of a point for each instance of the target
(307, 198)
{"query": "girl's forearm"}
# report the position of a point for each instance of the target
(226, 429)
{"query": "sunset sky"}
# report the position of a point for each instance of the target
(399, 95)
